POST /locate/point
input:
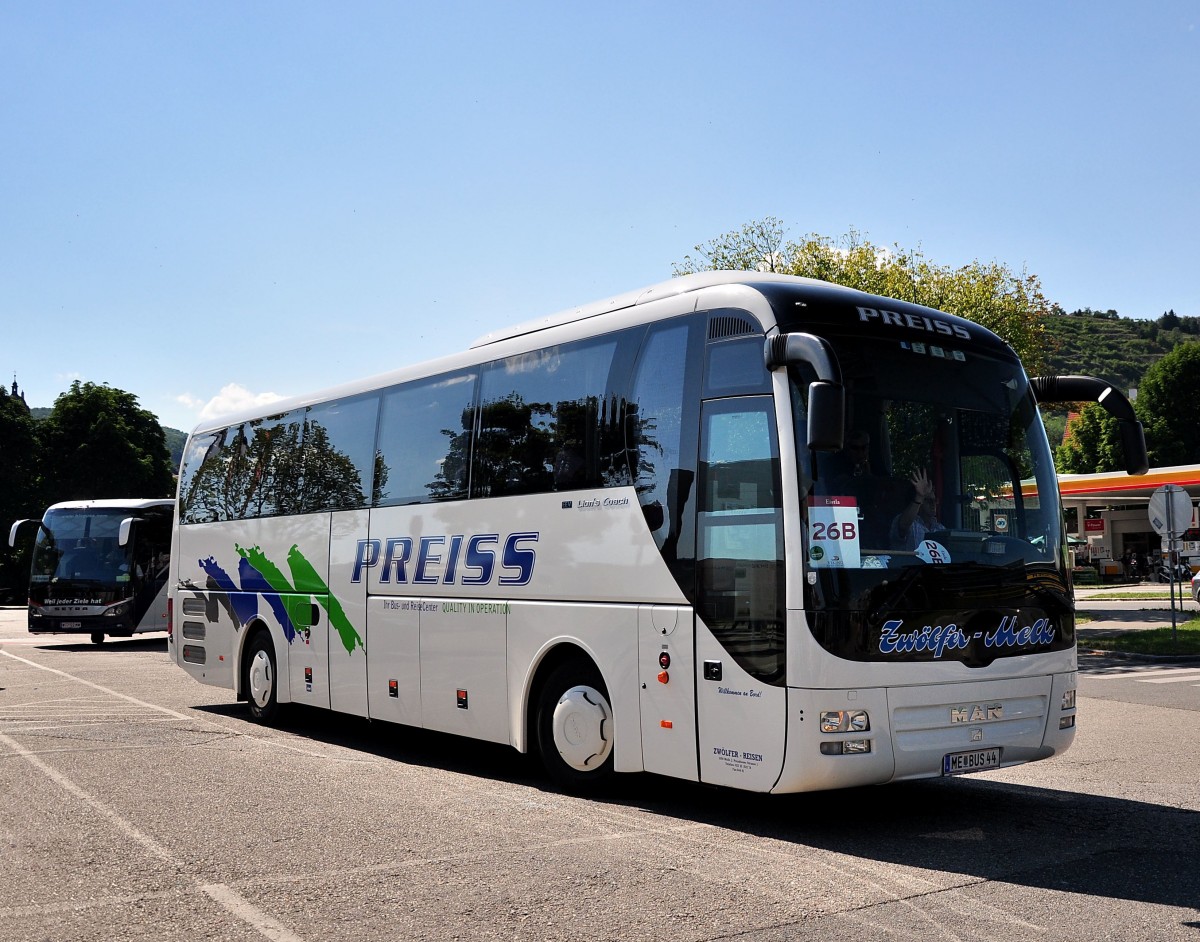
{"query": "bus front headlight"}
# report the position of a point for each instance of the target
(845, 721)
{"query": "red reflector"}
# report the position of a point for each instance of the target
(663, 677)
(666, 724)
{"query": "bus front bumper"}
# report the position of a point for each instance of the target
(924, 731)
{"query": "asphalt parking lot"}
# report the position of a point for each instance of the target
(138, 804)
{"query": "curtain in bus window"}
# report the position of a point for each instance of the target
(424, 447)
(542, 415)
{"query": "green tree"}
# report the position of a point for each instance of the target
(1091, 443)
(1165, 397)
(1009, 303)
(98, 442)
(19, 489)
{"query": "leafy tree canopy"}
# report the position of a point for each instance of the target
(19, 493)
(989, 293)
(1166, 397)
(1091, 443)
(98, 442)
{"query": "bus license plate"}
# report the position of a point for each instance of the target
(956, 763)
(70, 624)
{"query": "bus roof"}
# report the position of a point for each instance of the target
(113, 503)
(765, 284)
(664, 289)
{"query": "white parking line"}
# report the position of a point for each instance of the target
(1153, 675)
(1175, 677)
(223, 894)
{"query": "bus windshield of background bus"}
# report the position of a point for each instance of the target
(945, 463)
(85, 547)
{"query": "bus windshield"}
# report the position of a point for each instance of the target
(946, 478)
(82, 546)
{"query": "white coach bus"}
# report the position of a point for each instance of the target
(629, 537)
(99, 567)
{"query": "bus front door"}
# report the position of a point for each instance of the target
(741, 700)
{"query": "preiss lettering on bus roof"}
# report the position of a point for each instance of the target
(915, 321)
(448, 560)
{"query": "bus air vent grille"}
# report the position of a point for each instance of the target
(723, 325)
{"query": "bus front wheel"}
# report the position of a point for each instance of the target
(261, 679)
(575, 727)
(97, 637)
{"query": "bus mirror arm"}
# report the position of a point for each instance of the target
(1090, 389)
(826, 396)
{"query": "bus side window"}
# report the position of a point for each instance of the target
(198, 497)
(736, 367)
(660, 430)
(425, 440)
(541, 420)
(339, 446)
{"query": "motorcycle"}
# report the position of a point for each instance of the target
(1177, 573)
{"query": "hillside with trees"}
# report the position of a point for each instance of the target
(1119, 349)
(1159, 357)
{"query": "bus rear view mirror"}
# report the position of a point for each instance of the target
(826, 416)
(126, 530)
(16, 528)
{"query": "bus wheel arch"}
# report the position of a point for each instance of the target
(260, 673)
(571, 720)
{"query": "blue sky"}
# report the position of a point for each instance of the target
(209, 203)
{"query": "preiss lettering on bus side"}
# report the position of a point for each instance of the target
(448, 560)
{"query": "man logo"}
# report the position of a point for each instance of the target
(977, 713)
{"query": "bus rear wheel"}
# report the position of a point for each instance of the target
(575, 727)
(261, 679)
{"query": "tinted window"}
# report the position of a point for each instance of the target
(425, 440)
(655, 427)
(339, 450)
(250, 470)
(544, 421)
(736, 367)
(193, 499)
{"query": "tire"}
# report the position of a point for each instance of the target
(261, 679)
(575, 727)
(97, 637)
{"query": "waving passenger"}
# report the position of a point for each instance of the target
(919, 515)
